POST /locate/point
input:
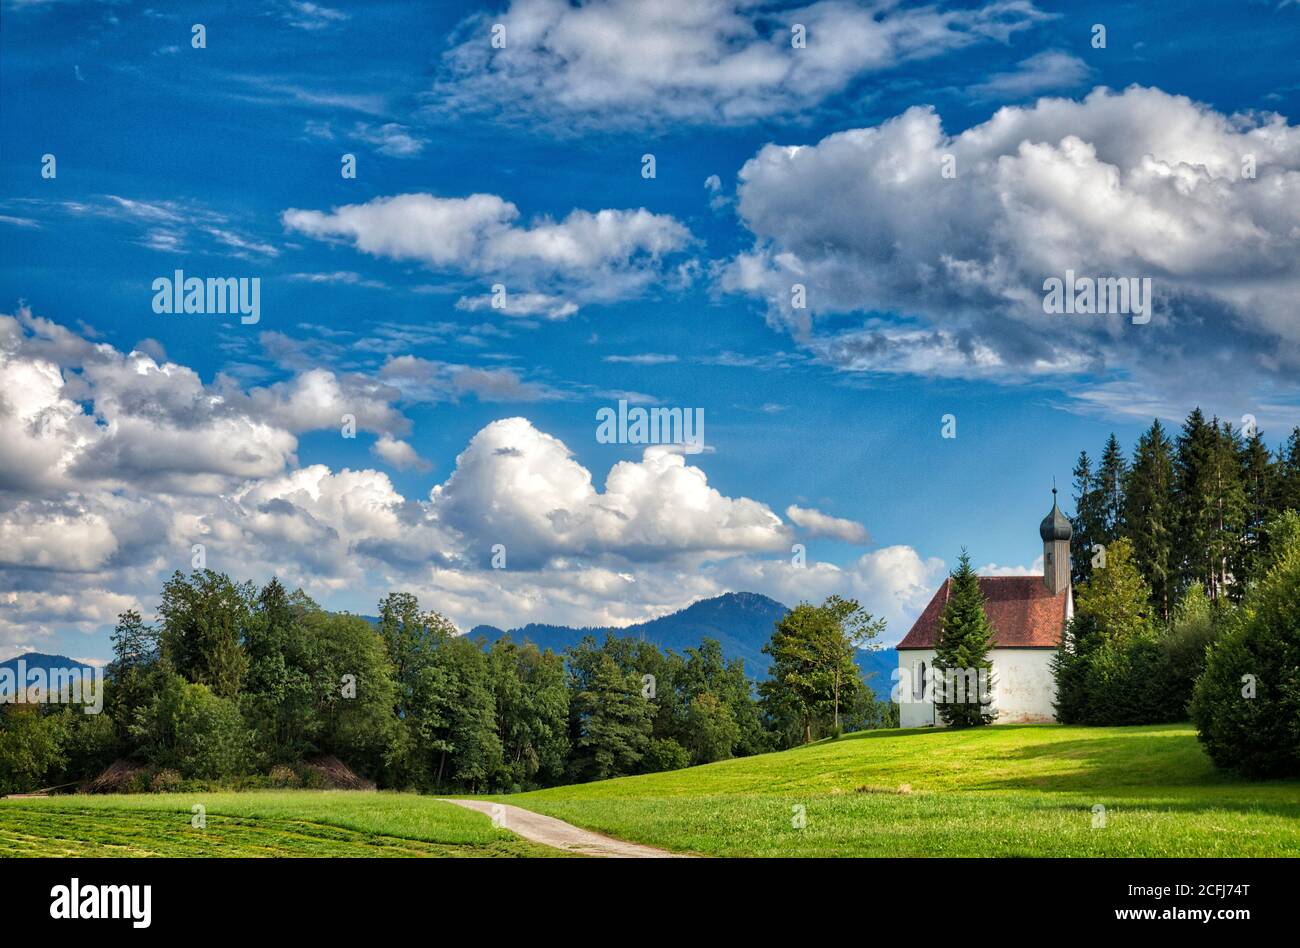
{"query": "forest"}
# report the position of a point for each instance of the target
(239, 686)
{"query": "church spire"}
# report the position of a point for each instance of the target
(1056, 532)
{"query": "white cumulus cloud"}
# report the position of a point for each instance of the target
(948, 271)
(586, 257)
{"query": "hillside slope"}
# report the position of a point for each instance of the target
(1005, 790)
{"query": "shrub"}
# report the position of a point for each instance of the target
(1194, 628)
(93, 742)
(1256, 734)
(312, 779)
(283, 777)
(666, 754)
(32, 748)
(711, 729)
(189, 729)
(1112, 667)
(165, 781)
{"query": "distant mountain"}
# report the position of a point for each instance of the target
(35, 660)
(741, 622)
(42, 661)
(878, 669)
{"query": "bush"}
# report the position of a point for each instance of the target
(666, 754)
(1259, 735)
(165, 781)
(1193, 630)
(93, 742)
(1112, 667)
(32, 748)
(189, 729)
(711, 729)
(283, 777)
(312, 779)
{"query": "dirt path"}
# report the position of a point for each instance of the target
(549, 831)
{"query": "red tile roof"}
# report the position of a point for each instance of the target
(1024, 614)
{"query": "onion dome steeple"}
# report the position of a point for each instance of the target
(1056, 532)
(1055, 526)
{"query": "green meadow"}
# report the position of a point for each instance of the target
(1017, 790)
(257, 823)
(1012, 790)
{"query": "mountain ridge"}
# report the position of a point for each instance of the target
(43, 661)
(741, 622)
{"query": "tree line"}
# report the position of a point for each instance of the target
(1186, 563)
(241, 686)
(1194, 508)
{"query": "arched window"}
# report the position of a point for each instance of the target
(923, 681)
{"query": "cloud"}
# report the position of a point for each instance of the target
(993, 569)
(894, 582)
(153, 349)
(399, 454)
(391, 139)
(346, 277)
(274, 91)
(319, 398)
(588, 256)
(817, 524)
(311, 16)
(121, 464)
(55, 537)
(243, 245)
(429, 381)
(171, 226)
(643, 358)
(148, 424)
(520, 487)
(625, 62)
(1041, 72)
(947, 274)
(520, 304)
(19, 221)
(717, 200)
(29, 619)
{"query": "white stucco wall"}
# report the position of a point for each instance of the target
(914, 713)
(1023, 686)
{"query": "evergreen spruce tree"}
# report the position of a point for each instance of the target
(962, 650)
(1150, 518)
(614, 723)
(1286, 490)
(1088, 522)
(1258, 478)
(1193, 549)
(134, 643)
(1110, 489)
(1227, 504)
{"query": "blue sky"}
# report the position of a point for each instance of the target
(162, 431)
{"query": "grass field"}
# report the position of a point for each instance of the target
(260, 823)
(1018, 790)
(1025, 790)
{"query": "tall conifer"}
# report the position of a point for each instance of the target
(1088, 521)
(1150, 519)
(961, 651)
(1258, 477)
(1110, 489)
(1194, 559)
